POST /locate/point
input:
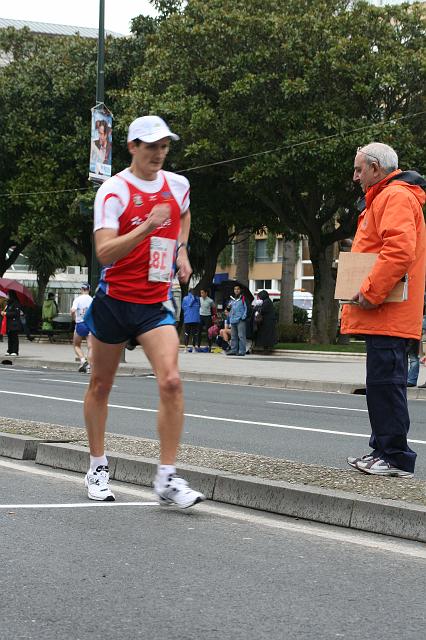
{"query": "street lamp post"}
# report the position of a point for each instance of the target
(100, 96)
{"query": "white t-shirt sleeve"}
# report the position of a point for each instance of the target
(179, 186)
(111, 200)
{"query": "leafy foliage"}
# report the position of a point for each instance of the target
(310, 80)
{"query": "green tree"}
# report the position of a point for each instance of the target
(46, 92)
(46, 254)
(242, 77)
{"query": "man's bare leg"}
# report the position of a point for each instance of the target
(89, 348)
(161, 347)
(105, 360)
(77, 340)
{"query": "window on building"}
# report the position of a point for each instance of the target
(261, 252)
(263, 284)
(280, 243)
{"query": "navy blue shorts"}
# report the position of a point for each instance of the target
(114, 321)
(82, 329)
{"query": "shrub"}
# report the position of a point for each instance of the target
(293, 332)
(300, 316)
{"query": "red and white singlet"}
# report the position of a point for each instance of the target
(124, 202)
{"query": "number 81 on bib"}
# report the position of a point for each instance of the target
(161, 254)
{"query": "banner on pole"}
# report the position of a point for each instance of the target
(100, 144)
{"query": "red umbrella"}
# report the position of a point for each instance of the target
(23, 294)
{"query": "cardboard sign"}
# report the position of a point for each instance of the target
(352, 270)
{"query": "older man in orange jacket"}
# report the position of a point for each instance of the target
(391, 225)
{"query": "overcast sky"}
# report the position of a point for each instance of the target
(80, 13)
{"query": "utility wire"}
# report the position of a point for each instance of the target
(250, 155)
(302, 143)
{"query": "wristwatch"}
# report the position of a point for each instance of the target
(182, 244)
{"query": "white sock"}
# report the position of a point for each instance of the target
(82, 360)
(100, 461)
(164, 471)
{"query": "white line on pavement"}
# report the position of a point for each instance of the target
(240, 515)
(10, 370)
(315, 406)
(67, 381)
(274, 425)
(78, 505)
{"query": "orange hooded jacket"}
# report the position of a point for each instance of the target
(392, 225)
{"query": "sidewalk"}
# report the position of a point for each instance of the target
(282, 369)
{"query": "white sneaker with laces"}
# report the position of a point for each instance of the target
(175, 490)
(378, 467)
(352, 461)
(97, 483)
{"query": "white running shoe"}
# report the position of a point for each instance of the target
(352, 460)
(97, 483)
(176, 491)
(379, 467)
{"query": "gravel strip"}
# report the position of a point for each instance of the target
(408, 490)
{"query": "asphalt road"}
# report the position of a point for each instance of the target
(311, 427)
(75, 570)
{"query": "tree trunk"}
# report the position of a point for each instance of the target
(325, 309)
(7, 262)
(241, 246)
(42, 283)
(217, 242)
(287, 281)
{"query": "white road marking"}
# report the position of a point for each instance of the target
(77, 505)
(373, 541)
(315, 406)
(67, 381)
(8, 369)
(273, 425)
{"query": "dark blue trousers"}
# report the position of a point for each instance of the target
(387, 400)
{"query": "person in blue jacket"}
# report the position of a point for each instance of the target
(191, 318)
(237, 318)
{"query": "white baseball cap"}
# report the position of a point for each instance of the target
(149, 129)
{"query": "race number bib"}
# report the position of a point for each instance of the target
(161, 256)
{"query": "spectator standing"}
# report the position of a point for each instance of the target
(207, 311)
(25, 326)
(391, 225)
(191, 319)
(49, 311)
(237, 318)
(413, 363)
(266, 322)
(12, 313)
(79, 308)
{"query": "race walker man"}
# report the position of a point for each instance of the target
(142, 223)
(79, 308)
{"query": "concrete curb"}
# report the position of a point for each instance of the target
(205, 376)
(393, 518)
(18, 447)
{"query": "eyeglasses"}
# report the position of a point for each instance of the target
(361, 150)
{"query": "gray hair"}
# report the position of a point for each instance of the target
(382, 153)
